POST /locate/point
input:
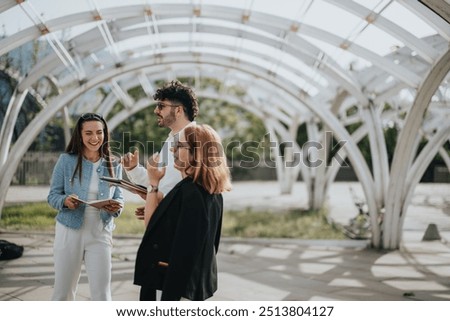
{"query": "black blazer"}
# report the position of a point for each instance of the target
(184, 232)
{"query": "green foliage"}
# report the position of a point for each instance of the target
(244, 135)
(51, 139)
(364, 147)
(127, 223)
(390, 135)
(139, 131)
(302, 135)
(237, 127)
(28, 110)
(352, 111)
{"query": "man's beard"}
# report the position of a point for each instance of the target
(168, 120)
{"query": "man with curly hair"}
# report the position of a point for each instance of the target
(176, 107)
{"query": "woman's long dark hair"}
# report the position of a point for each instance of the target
(75, 145)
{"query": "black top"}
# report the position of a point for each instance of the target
(178, 250)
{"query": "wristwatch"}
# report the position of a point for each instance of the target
(152, 189)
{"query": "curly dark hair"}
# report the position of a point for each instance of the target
(176, 92)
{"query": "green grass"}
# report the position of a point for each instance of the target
(292, 224)
(246, 224)
(41, 217)
(30, 216)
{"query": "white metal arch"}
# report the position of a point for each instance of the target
(420, 10)
(396, 196)
(113, 13)
(421, 47)
(285, 116)
(381, 83)
(89, 44)
(37, 124)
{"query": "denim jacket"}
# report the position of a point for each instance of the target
(62, 186)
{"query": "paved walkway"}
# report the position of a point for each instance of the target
(260, 269)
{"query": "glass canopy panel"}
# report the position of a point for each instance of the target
(409, 21)
(243, 4)
(286, 9)
(320, 14)
(373, 5)
(103, 4)
(14, 20)
(32, 12)
(273, 55)
(377, 41)
(70, 33)
(50, 9)
(332, 19)
(345, 59)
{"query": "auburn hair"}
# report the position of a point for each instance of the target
(208, 165)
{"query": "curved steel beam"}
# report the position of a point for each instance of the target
(423, 49)
(385, 64)
(404, 151)
(330, 71)
(9, 122)
(6, 4)
(110, 100)
(44, 117)
(419, 167)
(213, 59)
(442, 26)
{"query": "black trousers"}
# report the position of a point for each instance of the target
(147, 294)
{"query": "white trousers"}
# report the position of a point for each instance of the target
(91, 244)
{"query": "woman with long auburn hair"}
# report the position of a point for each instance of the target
(177, 256)
(207, 164)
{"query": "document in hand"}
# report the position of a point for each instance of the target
(99, 203)
(134, 188)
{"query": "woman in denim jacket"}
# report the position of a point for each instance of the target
(83, 232)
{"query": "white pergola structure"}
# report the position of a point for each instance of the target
(299, 62)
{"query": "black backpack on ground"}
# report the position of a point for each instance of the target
(9, 251)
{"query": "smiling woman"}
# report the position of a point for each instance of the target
(92, 137)
(87, 140)
(82, 232)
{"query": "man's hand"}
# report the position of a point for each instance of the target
(154, 172)
(130, 161)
